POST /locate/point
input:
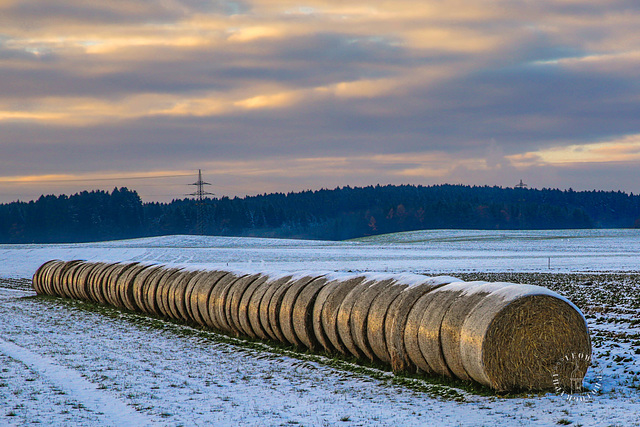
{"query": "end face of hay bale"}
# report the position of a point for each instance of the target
(126, 285)
(191, 297)
(518, 339)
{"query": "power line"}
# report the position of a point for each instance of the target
(90, 179)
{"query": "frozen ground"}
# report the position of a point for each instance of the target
(67, 362)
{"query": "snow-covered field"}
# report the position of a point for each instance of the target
(67, 362)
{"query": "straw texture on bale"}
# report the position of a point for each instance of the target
(502, 335)
(140, 287)
(358, 320)
(286, 309)
(376, 319)
(82, 280)
(259, 314)
(178, 295)
(451, 326)
(302, 317)
(218, 301)
(125, 286)
(204, 297)
(343, 320)
(94, 279)
(232, 307)
(243, 308)
(316, 316)
(274, 309)
(516, 336)
(439, 301)
(396, 320)
(191, 296)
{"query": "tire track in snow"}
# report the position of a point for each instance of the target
(78, 388)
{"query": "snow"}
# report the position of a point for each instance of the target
(66, 363)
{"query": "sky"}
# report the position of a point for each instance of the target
(284, 95)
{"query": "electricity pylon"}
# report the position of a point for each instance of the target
(200, 194)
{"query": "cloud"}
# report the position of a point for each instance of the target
(165, 85)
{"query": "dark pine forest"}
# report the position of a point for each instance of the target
(337, 214)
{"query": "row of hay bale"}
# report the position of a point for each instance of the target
(502, 335)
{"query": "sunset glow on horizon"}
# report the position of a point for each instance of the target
(284, 96)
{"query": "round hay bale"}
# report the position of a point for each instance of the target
(265, 304)
(436, 306)
(275, 304)
(114, 284)
(51, 278)
(204, 296)
(177, 295)
(59, 283)
(126, 286)
(39, 276)
(46, 275)
(516, 337)
(154, 286)
(243, 308)
(358, 321)
(163, 289)
(289, 298)
(316, 314)
(232, 306)
(191, 298)
(398, 312)
(451, 326)
(303, 313)
(47, 282)
(101, 283)
(376, 320)
(54, 279)
(76, 286)
(258, 309)
(68, 279)
(93, 280)
(218, 302)
(82, 280)
(140, 287)
(330, 311)
(411, 334)
(343, 320)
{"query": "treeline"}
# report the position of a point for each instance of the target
(337, 214)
